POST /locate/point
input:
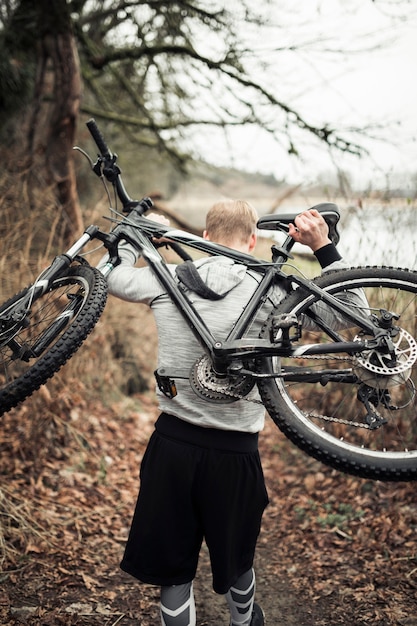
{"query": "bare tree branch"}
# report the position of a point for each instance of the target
(166, 67)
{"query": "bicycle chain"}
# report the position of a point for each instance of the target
(326, 418)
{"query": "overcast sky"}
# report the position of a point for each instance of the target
(377, 87)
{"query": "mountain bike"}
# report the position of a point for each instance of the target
(344, 393)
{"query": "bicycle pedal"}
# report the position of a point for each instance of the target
(285, 322)
(166, 384)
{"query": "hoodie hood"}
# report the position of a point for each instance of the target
(219, 274)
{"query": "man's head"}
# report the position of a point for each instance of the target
(232, 223)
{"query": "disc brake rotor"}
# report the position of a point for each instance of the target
(212, 387)
(380, 371)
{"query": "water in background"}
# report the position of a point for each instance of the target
(377, 235)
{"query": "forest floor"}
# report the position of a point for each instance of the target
(334, 549)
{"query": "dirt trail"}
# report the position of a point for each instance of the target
(334, 550)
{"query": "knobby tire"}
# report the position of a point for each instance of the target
(326, 419)
(19, 378)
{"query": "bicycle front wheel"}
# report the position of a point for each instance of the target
(356, 413)
(56, 324)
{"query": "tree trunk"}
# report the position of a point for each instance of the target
(52, 124)
(39, 123)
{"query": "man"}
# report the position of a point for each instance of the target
(201, 476)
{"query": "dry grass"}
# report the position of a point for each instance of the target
(17, 527)
(30, 234)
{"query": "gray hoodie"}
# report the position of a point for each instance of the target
(178, 349)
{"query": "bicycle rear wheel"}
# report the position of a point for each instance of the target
(356, 413)
(56, 324)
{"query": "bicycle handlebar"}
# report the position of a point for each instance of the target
(112, 172)
(98, 138)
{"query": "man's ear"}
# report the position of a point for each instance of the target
(205, 235)
(252, 242)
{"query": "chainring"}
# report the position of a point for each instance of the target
(212, 387)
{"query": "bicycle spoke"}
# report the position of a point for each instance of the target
(368, 419)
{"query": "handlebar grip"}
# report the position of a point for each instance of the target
(98, 137)
(112, 172)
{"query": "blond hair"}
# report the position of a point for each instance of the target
(231, 220)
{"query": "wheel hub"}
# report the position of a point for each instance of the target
(381, 370)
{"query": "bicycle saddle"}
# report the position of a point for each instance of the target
(328, 210)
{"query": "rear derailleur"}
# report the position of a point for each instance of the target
(371, 398)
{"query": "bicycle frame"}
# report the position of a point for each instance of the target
(230, 355)
(227, 356)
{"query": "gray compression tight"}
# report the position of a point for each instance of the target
(178, 607)
(240, 599)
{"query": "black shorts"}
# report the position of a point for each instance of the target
(196, 483)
